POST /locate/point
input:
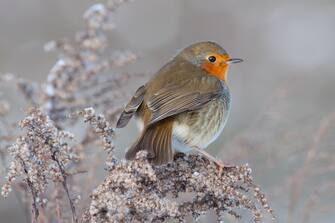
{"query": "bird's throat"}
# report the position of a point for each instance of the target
(220, 71)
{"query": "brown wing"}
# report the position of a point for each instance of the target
(185, 96)
(131, 107)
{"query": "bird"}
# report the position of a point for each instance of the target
(184, 106)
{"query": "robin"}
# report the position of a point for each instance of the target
(184, 106)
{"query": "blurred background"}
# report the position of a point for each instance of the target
(283, 111)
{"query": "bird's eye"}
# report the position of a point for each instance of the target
(212, 59)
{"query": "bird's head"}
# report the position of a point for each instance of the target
(210, 57)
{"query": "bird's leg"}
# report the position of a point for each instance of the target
(218, 162)
(209, 156)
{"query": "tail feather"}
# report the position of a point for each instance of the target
(157, 140)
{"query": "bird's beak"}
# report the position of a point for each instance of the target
(233, 60)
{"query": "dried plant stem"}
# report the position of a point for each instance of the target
(64, 183)
(300, 175)
(35, 211)
(63, 173)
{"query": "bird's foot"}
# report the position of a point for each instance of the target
(221, 165)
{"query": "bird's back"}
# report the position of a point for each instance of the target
(173, 73)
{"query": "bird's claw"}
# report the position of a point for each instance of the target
(223, 166)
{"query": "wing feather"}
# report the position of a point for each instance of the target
(185, 96)
(131, 107)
